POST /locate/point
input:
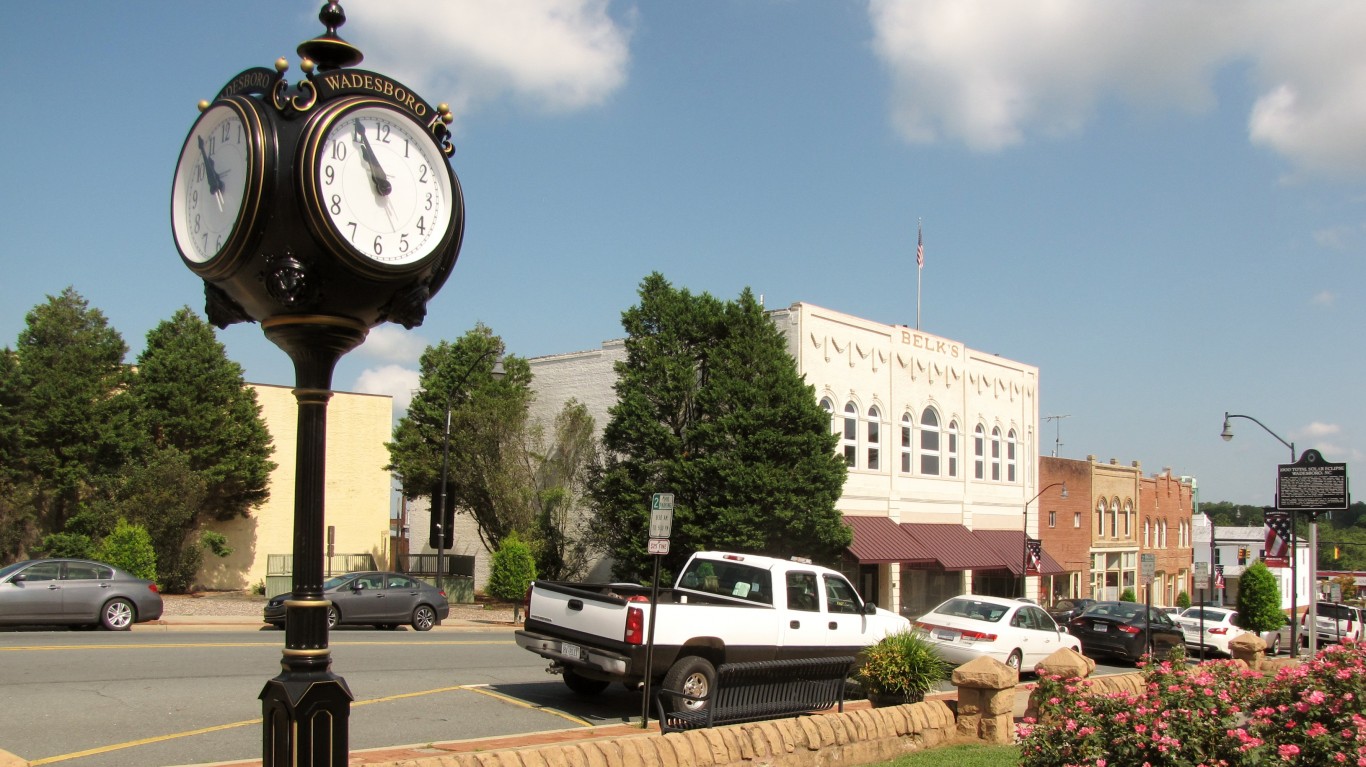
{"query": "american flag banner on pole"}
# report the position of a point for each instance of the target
(1218, 577)
(1034, 547)
(1278, 535)
(920, 247)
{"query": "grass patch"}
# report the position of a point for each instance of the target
(967, 755)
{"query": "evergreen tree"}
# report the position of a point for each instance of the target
(711, 408)
(556, 476)
(1259, 599)
(191, 398)
(488, 420)
(74, 426)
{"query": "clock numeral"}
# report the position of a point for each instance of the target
(378, 245)
(353, 226)
(339, 151)
(403, 243)
(335, 205)
(428, 206)
(195, 229)
(422, 224)
(406, 146)
(330, 174)
(422, 173)
(382, 131)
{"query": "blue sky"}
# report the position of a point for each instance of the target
(1160, 205)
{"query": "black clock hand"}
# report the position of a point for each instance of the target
(211, 175)
(367, 155)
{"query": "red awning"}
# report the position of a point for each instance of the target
(879, 540)
(955, 547)
(1009, 544)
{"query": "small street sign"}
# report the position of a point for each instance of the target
(658, 546)
(1147, 568)
(661, 515)
(1202, 575)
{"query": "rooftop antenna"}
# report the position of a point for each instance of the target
(1057, 441)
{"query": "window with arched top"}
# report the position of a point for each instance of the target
(951, 448)
(1012, 457)
(907, 429)
(979, 449)
(929, 442)
(1128, 520)
(996, 454)
(849, 435)
(1100, 518)
(873, 431)
(1114, 518)
(1147, 525)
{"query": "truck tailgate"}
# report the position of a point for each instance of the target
(580, 609)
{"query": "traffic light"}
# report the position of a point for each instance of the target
(442, 522)
(1335, 552)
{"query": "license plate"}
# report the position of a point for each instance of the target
(572, 650)
(947, 636)
(1099, 627)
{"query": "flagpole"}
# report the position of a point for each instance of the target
(919, 265)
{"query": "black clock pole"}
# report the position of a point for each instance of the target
(306, 708)
(282, 261)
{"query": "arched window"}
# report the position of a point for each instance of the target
(979, 448)
(874, 432)
(849, 438)
(1128, 520)
(1114, 518)
(1012, 458)
(951, 452)
(1100, 519)
(996, 454)
(929, 442)
(1147, 527)
(907, 427)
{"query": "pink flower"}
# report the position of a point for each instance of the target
(1288, 751)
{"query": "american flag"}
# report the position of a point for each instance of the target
(919, 247)
(1278, 534)
(1218, 577)
(1034, 547)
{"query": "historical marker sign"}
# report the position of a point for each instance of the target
(1311, 484)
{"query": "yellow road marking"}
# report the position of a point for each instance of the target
(481, 689)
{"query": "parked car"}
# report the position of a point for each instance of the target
(1018, 634)
(384, 600)
(1336, 622)
(75, 592)
(1123, 629)
(1068, 609)
(1221, 628)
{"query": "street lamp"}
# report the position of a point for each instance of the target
(1024, 553)
(440, 508)
(1227, 435)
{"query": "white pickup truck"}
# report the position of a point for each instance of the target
(724, 608)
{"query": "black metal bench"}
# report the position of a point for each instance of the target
(759, 690)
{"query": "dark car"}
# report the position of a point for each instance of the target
(1123, 629)
(383, 600)
(75, 592)
(1067, 609)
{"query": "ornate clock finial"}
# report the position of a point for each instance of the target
(328, 49)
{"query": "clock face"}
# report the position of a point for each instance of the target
(384, 186)
(211, 183)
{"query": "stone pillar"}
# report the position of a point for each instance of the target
(986, 700)
(1066, 663)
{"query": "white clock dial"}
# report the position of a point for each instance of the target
(210, 184)
(384, 185)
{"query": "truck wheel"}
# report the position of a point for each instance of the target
(694, 676)
(583, 685)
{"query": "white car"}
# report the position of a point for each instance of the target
(1221, 627)
(1018, 634)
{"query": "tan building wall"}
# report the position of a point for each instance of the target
(356, 493)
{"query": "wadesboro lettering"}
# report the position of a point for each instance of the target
(389, 89)
(931, 344)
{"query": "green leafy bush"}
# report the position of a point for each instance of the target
(1183, 600)
(1259, 599)
(1128, 595)
(901, 665)
(513, 569)
(129, 547)
(72, 545)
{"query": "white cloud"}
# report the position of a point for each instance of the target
(1320, 429)
(394, 380)
(992, 75)
(392, 343)
(555, 55)
(1324, 298)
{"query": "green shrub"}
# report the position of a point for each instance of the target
(72, 545)
(902, 665)
(1183, 600)
(513, 569)
(1259, 599)
(129, 547)
(1128, 596)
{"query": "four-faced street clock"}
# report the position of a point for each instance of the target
(216, 197)
(376, 187)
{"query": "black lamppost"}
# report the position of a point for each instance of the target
(1227, 435)
(440, 523)
(319, 209)
(1024, 554)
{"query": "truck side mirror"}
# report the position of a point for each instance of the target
(869, 608)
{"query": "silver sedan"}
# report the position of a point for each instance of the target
(75, 592)
(384, 600)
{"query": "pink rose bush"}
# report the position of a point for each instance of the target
(1214, 714)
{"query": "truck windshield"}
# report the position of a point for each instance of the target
(731, 579)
